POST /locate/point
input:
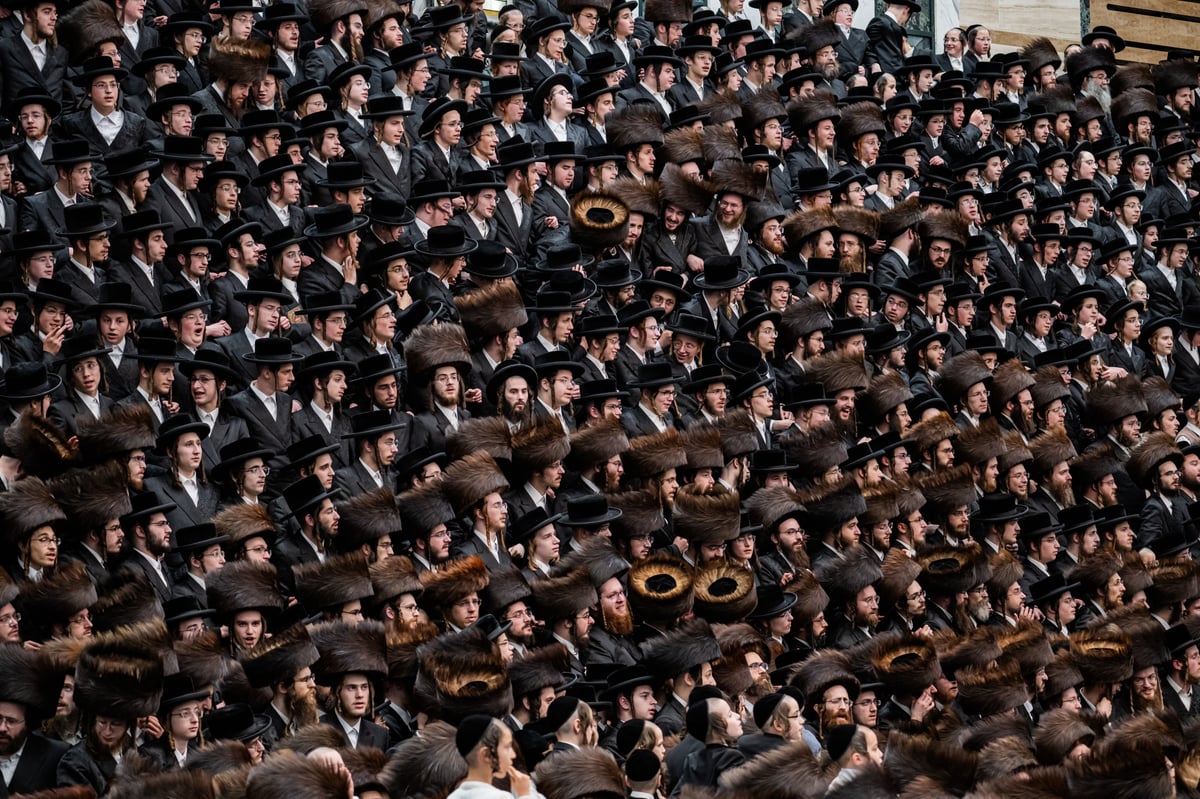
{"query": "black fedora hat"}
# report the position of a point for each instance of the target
(176, 426)
(117, 296)
(97, 67)
(430, 189)
(335, 220)
(741, 357)
(600, 390)
(239, 452)
(1000, 507)
(773, 601)
(237, 721)
(177, 303)
(25, 382)
(50, 290)
(345, 175)
(272, 351)
(386, 106)
(704, 376)
(144, 504)
(32, 95)
(183, 608)
(436, 110)
(492, 261)
(597, 326)
(697, 327)
(523, 528)
(722, 273)
(128, 163)
(77, 348)
(217, 171)
(156, 349)
(182, 149)
(446, 241)
(388, 208)
(549, 363)
(371, 424)
(85, 219)
(196, 538)
(318, 122)
(654, 374)
(506, 369)
(590, 511)
(306, 450)
(637, 310)
(323, 362)
(141, 223)
(504, 86)
(375, 367)
(211, 360)
(275, 167)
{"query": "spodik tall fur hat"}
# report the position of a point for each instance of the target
(1102, 655)
(40, 446)
(461, 674)
(338, 580)
(845, 577)
(1009, 380)
(1050, 449)
(469, 480)
(491, 311)
(959, 373)
(537, 445)
(120, 673)
(93, 498)
(349, 649)
(453, 582)
(118, 430)
(654, 454)
(244, 585)
(490, 434)
(635, 125)
(28, 505)
(986, 691)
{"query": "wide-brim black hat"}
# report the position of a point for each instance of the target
(446, 241)
(25, 382)
(722, 274)
(272, 352)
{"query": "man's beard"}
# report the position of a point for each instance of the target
(518, 417)
(353, 47)
(773, 246)
(1099, 93)
(10, 744)
(836, 717)
(1024, 423)
(988, 484)
(617, 624)
(979, 611)
(303, 710)
(157, 546)
(830, 72)
(737, 221)
(1063, 495)
(524, 639)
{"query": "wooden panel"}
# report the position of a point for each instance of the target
(1151, 27)
(1013, 24)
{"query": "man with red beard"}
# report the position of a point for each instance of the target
(1051, 469)
(764, 226)
(564, 604)
(283, 666)
(610, 641)
(507, 597)
(830, 703)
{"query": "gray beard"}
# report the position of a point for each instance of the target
(1100, 94)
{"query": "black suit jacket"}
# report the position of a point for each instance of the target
(133, 134)
(885, 45)
(709, 241)
(186, 513)
(66, 411)
(44, 211)
(227, 430)
(162, 588)
(355, 480)
(370, 734)
(1164, 301)
(162, 199)
(34, 172)
(20, 70)
(515, 237)
(431, 429)
(143, 292)
(38, 765)
(636, 422)
(273, 433)
(320, 276)
(376, 165)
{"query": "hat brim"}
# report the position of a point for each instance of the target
(51, 384)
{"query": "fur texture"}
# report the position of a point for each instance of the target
(862, 222)
(392, 577)
(597, 557)
(591, 773)
(947, 569)
(839, 373)
(899, 572)
(1147, 455)
(1027, 642)
(961, 372)
(703, 445)
(641, 198)
(1083, 61)
(767, 506)
(910, 757)
(1158, 395)
(60, 595)
(538, 668)
(881, 505)
(737, 177)
(805, 112)
(491, 311)
(948, 226)
(452, 582)
(242, 521)
(40, 446)
(471, 479)
(812, 598)
(821, 34)
(789, 771)
(854, 571)
(1131, 77)
(242, 585)
(289, 775)
(431, 346)
(1048, 386)
(461, 674)
(706, 517)
(537, 445)
(597, 444)
(720, 143)
(326, 12)
(799, 225)
(124, 598)
(635, 125)
(242, 62)
(120, 673)
(1041, 52)
(503, 589)
(488, 434)
(641, 512)
(599, 219)
(739, 435)
(1172, 75)
(1102, 655)
(885, 394)
(1112, 400)
(366, 518)
(1050, 449)
(422, 509)
(832, 506)
(693, 196)
(654, 454)
(329, 585)
(1015, 452)
(117, 431)
(1010, 379)
(285, 653)
(660, 588)
(426, 765)
(1133, 103)
(563, 596)
(907, 214)
(347, 648)
(1173, 581)
(985, 691)
(975, 445)
(721, 107)
(816, 451)
(803, 318)
(679, 147)
(929, 432)
(403, 643)
(689, 645)
(724, 593)
(84, 28)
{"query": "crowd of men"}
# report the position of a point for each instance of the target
(604, 400)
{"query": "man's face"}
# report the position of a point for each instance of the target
(248, 628)
(12, 728)
(354, 695)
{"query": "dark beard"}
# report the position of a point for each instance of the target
(509, 413)
(1063, 496)
(617, 625)
(829, 72)
(302, 710)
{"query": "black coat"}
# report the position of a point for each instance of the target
(36, 770)
(885, 44)
(20, 70)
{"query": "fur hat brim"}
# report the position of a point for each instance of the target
(282, 655)
(349, 649)
(690, 645)
(453, 582)
(461, 674)
(599, 220)
(491, 311)
(333, 583)
(471, 479)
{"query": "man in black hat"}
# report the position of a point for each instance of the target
(556, 374)
(81, 357)
(149, 534)
(174, 195)
(445, 248)
(385, 156)
(30, 758)
(87, 231)
(279, 207)
(140, 250)
(322, 380)
(653, 413)
(721, 275)
(373, 434)
(336, 229)
(104, 125)
(261, 302)
(35, 110)
(241, 249)
(128, 174)
(208, 374)
(265, 406)
(201, 548)
(34, 59)
(556, 323)
(317, 519)
(72, 162)
(156, 361)
(642, 327)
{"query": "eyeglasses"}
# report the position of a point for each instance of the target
(10, 618)
(186, 714)
(263, 470)
(520, 614)
(841, 701)
(45, 539)
(311, 678)
(259, 550)
(358, 614)
(869, 703)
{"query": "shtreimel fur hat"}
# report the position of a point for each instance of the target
(654, 454)
(340, 579)
(241, 62)
(599, 219)
(366, 518)
(452, 582)
(84, 28)
(243, 585)
(326, 12)
(537, 445)
(564, 596)
(690, 645)
(491, 311)
(348, 648)
(489, 434)
(471, 479)
(431, 346)
(120, 673)
(117, 431)
(461, 674)
(276, 658)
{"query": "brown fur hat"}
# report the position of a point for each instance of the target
(805, 112)
(690, 645)
(641, 513)
(1110, 401)
(176, 784)
(597, 557)
(654, 454)
(26, 506)
(725, 593)
(1146, 457)
(340, 579)
(563, 596)
(1158, 395)
(721, 107)
(422, 509)
(928, 433)
(241, 62)
(310, 738)
(976, 445)
(907, 666)
(1133, 103)
(276, 658)
(641, 198)
(1132, 770)
(69, 792)
(366, 518)
(976, 648)
(845, 577)
(899, 572)
(886, 393)
(403, 643)
(985, 691)
(668, 11)
(1041, 52)
(289, 775)
(1172, 75)
(712, 517)
(760, 108)
(1086, 60)
(720, 143)
(823, 670)
(633, 126)
(431, 346)
(702, 442)
(490, 434)
(27, 683)
(242, 522)
(911, 757)
(660, 588)
(58, 596)
(1015, 451)
(1059, 100)
(599, 219)
(205, 660)
(692, 195)
(542, 667)
(881, 504)
(738, 177)
(1009, 380)
(821, 34)
(118, 430)
(380, 10)
(800, 225)
(120, 673)
(1061, 674)
(461, 674)
(959, 373)
(491, 311)
(803, 318)
(767, 506)
(452, 582)
(681, 146)
(537, 445)
(1103, 654)
(597, 444)
(219, 757)
(1145, 633)
(85, 27)
(426, 765)
(1005, 570)
(326, 12)
(1027, 642)
(830, 507)
(948, 226)
(948, 570)
(1173, 582)
(243, 585)
(125, 597)
(1048, 386)
(861, 222)
(40, 446)
(349, 648)
(1092, 467)
(1131, 77)
(1087, 108)
(816, 451)
(471, 479)
(392, 577)
(739, 435)
(907, 214)
(1094, 571)
(811, 597)
(1050, 449)
(592, 773)
(789, 771)
(838, 373)
(909, 498)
